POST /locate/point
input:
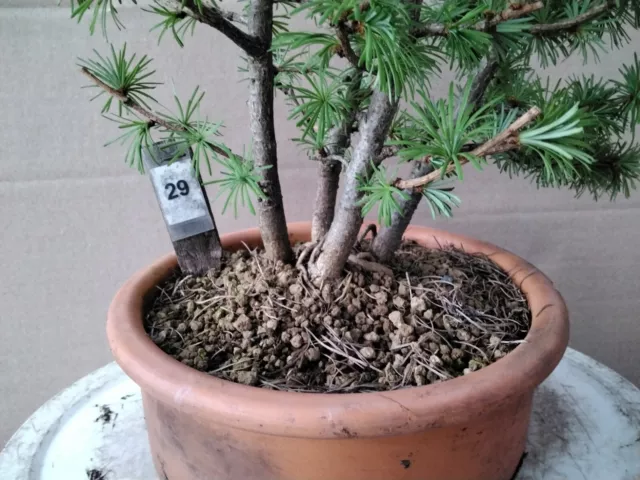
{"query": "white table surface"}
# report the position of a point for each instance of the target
(585, 425)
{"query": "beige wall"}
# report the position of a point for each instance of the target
(77, 222)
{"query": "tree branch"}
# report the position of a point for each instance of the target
(492, 146)
(221, 21)
(481, 81)
(572, 23)
(514, 11)
(343, 36)
(233, 17)
(389, 238)
(345, 227)
(154, 118)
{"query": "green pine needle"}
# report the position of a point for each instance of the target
(175, 21)
(240, 182)
(558, 140)
(442, 133)
(321, 106)
(100, 10)
(440, 199)
(629, 92)
(377, 191)
(123, 74)
(137, 133)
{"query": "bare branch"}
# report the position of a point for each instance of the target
(221, 21)
(494, 145)
(431, 30)
(573, 23)
(514, 11)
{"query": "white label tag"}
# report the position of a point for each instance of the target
(178, 192)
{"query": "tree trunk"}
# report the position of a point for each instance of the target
(338, 141)
(329, 180)
(273, 224)
(389, 238)
(345, 227)
(326, 194)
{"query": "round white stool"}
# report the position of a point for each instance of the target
(585, 426)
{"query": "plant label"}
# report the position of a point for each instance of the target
(178, 190)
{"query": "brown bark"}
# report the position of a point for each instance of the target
(345, 227)
(514, 11)
(273, 224)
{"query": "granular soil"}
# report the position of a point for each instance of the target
(441, 314)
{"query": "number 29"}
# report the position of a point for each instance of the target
(181, 186)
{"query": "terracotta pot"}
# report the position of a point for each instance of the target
(470, 428)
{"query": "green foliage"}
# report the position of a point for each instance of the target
(575, 143)
(137, 133)
(123, 74)
(441, 132)
(557, 139)
(324, 45)
(320, 106)
(175, 21)
(589, 39)
(192, 132)
(599, 101)
(463, 45)
(380, 33)
(100, 10)
(388, 51)
(240, 182)
(440, 199)
(613, 173)
(378, 191)
(629, 92)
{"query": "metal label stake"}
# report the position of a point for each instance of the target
(185, 207)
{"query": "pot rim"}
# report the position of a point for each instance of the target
(331, 415)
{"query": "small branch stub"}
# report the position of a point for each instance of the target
(185, 208)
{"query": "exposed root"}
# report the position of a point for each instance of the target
(316, 251)
(371, 228)
(374, 267)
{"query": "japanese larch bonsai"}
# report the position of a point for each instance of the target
(350, 113)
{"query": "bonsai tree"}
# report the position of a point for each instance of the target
(358, 87)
